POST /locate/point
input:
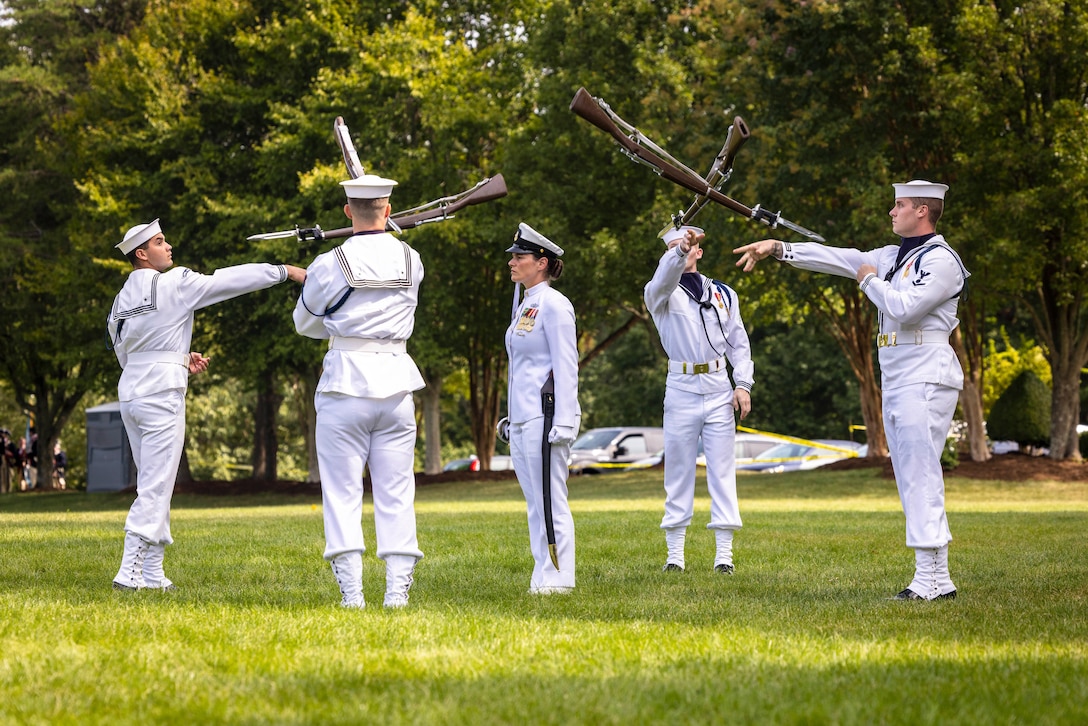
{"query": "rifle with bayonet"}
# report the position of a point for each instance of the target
(720, 172)
(636, 146)
(493, 187)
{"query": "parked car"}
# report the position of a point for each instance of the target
(499, 462)
(795, 456)
(746, 447)
(613, 449)
(471, 463)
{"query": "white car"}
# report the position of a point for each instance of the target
(800, 455)
(746, 447)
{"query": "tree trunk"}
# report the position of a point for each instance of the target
(969, 350)
(265, 444)
(614, 336)
(307, 418)
(1065, 409)
(185, 474)
(850, 322)
(1063, 327)
(485, 394)
(431, 407)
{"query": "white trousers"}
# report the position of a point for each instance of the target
(916, 421)
(156, 432)
(687, 417)
(525, 451)
(353, 433)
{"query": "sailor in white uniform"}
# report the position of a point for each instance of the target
(916, 286)
(701, 330)
(542, 345)
(151, 327)
(362, 297)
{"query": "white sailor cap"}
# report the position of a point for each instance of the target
(528, 241)
(920, 188)
(673, 233)
(368, 186)
(137, 235)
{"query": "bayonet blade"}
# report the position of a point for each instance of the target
(775, 219)
(275, 235)
(801, 230)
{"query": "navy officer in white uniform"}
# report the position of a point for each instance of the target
(916, 286)
(361, 296)
(542, 341)
(150, 327)
(701, 330)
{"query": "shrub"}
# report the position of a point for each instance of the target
(1022, 413)
(950, 457)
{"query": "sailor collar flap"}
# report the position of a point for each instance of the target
(139, 295)
(378, 262)
(914, 257)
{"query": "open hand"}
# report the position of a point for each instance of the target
(753, 253)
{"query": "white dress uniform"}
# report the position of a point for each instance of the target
(699, 336)
(542, 339)
(151, 328)
(365, 409)
(920, 377)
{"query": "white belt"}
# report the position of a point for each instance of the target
(368, 345)
(158, 356)
(679, 366)
(911, 337)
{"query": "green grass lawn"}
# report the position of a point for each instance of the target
(803, 633)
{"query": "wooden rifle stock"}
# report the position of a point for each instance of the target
(491, 188)
(719, 173)
(641, 149)
(585, 106)
(734, 139)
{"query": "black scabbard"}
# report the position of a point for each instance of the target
(547, 400)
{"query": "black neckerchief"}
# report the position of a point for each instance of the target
(692, 283)
(906, 246)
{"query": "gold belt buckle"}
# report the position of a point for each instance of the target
(885, 339)
(701, 368)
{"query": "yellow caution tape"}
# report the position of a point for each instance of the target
(795, 440)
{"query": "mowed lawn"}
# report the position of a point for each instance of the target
(803, 633)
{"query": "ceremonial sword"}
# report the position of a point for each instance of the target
(547, 398)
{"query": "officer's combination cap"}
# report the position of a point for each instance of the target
(527, 241)
(368, 186)
(673, 233)
(137, 235)
(920, 188)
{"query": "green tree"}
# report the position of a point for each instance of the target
(184, 120)
(56, 296)
(1020, 107)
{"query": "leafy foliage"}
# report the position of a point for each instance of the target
(1022, 413)
(1003, 366)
